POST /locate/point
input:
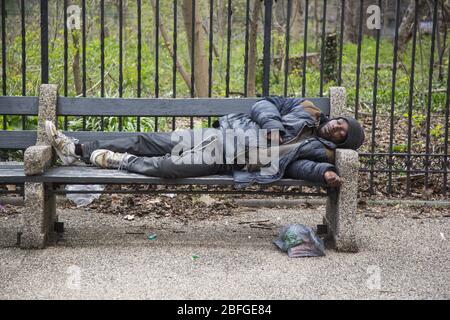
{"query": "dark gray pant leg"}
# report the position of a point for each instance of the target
(150, 144)
(153, 155)
(172, 167)
(201, 160)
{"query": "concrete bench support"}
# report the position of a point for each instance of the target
(341, 204)
(39, 217)
(40, 213)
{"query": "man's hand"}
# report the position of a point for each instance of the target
(274, 135)
(332, 179)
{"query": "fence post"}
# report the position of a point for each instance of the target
(267, 38)
(44, 41)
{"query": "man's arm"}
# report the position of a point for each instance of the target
(267, 116)
(313, 171)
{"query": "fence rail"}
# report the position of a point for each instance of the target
(398, 88)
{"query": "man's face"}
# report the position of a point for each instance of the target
(335, 130)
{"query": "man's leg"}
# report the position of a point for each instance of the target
(150, 144)
(142, 144)
(167, 166)
(172, 167)
(202, 160)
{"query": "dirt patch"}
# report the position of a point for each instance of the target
(413, 212)
(8, 209)
(196, 207)
(178, 206)
(378, 183)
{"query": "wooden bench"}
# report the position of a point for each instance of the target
(42, 180)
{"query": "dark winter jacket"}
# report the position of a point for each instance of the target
(308, 159)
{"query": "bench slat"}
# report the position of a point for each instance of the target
(92, 175)
(13, 105)
(17, 139)
(163, 107)
(69, 106)
(11, 174)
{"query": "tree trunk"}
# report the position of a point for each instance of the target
(316, 25)
(351, 21)
(406, 27)
(186, 77)
(221, 25)
(216, 52)
(124, 32)
(252, 49)
(200, 61)
(76, 63)
(445, 18)
(330, 58)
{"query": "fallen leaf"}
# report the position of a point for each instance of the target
(207, 199)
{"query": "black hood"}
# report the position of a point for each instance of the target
(355, 136)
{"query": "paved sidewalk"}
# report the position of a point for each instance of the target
(104, 256)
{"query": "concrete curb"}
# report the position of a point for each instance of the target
(317, 202)
(270, 203)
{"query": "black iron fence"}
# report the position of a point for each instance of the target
(391, 55)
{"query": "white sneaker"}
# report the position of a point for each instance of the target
(107, 159)
(64, 145)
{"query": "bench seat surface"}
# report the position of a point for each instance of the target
(83, 174)
(91, 175)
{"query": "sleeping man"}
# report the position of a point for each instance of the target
(281, 137)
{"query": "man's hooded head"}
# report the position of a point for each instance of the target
(345, 132)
